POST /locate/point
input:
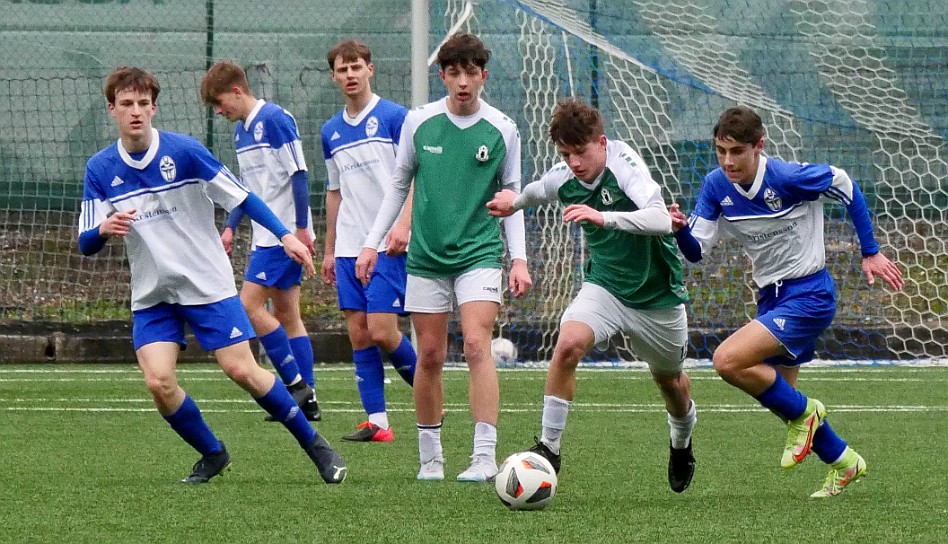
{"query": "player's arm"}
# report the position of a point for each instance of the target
(286, 140)
(396, 242)
(98, 219)
(333, 201)
(299, 182)
(874, 263)
(696, 238)
(514, 229)
(256, 209)
(234, 218)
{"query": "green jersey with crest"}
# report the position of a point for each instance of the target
(458, 163)
(634, 256)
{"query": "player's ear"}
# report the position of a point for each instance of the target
(484, 72)
(759, 146)
(371, 68)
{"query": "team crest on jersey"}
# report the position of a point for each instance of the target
(258, 131)
(606, 196)
(483, 154)
(371, 126)
(772, 200)
(168, 170)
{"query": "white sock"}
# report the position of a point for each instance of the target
(429, 444)
(485, 440)
(555, 411)
(380, 419)
(681, 427)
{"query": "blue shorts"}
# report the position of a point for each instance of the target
(385, 293)
(215, 325)
(272, 267)
(796, 312)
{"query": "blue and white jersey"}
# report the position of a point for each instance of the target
(360, 160)
(269, 152)
(778, 221)
(173, 247)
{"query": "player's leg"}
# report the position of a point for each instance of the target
(367, 359)
(370, 381)
(478, 294)
(218, 327)
(158, 334)
(286, 310)
(846, 465)
(432, 334)
(660, 337)
(386, 301)
(790, 317)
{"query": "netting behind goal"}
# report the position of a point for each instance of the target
(858, 84)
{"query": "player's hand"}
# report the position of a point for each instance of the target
(397, 240)
(880, 265)
(303, 236)
(227, 238)
(329, 269)
(520, 281)
(365, 264)
(578, 213)
(679, 219)
(299, 253)
(502, 204)
(117, 224)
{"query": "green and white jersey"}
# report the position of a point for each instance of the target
(457, 163)
(633, 256)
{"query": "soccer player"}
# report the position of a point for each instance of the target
(157, 190)
(633, 280)
(270, 156)
(359, 146)
(460, 150)
(774, 209)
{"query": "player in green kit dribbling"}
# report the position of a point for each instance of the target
(633, 280)
(460, 151)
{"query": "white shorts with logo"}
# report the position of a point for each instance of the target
(438, 295)
(658, 337)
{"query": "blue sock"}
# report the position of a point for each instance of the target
(190, 425)
(404, 359)
(370, 378)
(782, 399)
(303, 352)
(277, 346)
(827, 444)
(280, 404)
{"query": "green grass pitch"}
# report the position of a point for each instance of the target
(84, 457)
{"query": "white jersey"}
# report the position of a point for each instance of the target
(360, 161)
(173, 247)
(269, 152)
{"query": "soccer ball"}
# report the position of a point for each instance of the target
(503, 351)
(526, 481)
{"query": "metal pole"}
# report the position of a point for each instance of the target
(209, 61)
(419, 52)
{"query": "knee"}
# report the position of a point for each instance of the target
(238, 371)
(476, 350)
(381, 336)
(570, 350)
(161, 386)
(431, 356)
(726, 363)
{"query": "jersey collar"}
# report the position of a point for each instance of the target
(354, 121)
(149, 155)
(253, 113)
(758, 180)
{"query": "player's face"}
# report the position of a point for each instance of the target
(464, 87)
(133, 111)
(738, 160)
(230, 105)
(352, 77)
(586, 161)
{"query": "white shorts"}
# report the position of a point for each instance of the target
(438, 295)
(658, 337)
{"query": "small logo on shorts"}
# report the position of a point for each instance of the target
(780, 322)
(491, 289)
(261, 276)
(397, 304)
(235, 333)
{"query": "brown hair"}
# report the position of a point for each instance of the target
(221, 78)
(575, 123)
(350, 51)
(740, 123)
(464, 50)
(130, 77)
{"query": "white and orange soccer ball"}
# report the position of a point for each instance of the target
(525, 481)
